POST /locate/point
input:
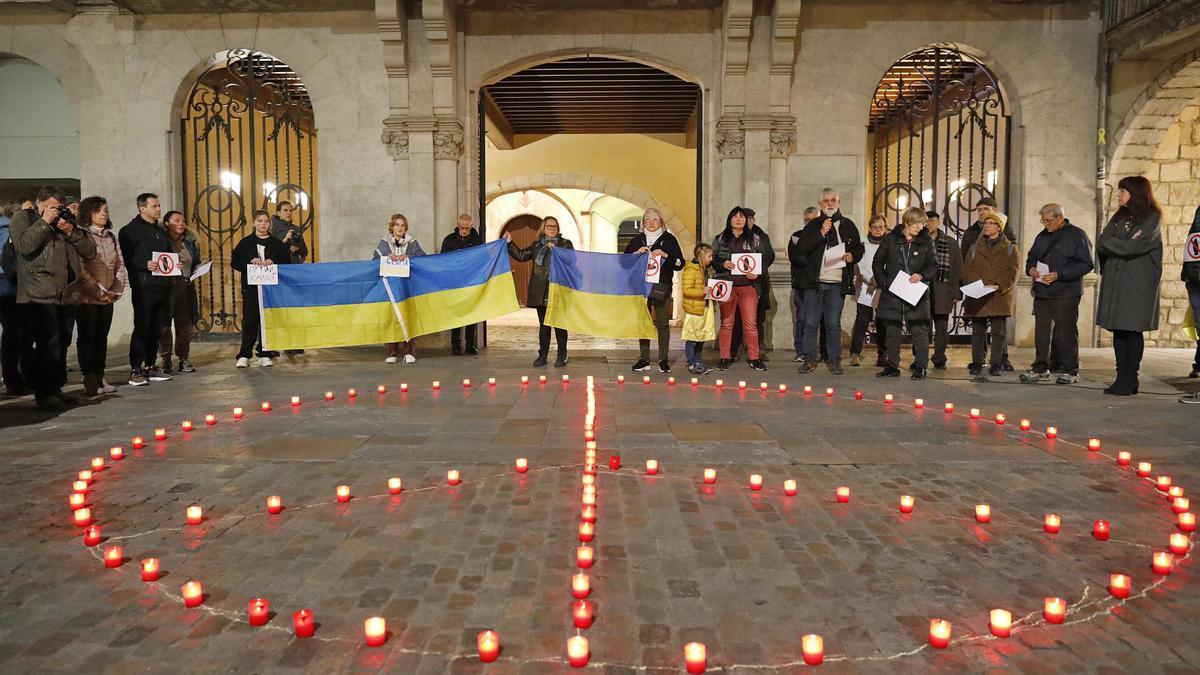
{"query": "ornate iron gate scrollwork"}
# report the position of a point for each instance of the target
(939, 126)
(248, 142)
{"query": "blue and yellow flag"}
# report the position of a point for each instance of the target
(601, 294)
(344, 304)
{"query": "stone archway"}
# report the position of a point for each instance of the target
(1159, 138)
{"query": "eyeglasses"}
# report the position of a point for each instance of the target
(1047, 221)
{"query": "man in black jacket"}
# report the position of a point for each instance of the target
(141, 240)
(283, 230)
(1065, 250)
(825, 283)
(983, 208)
(798, 262)
(463, 236)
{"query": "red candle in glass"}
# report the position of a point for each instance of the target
(1093, 444)
(395, 485)
(755, 482)
(858, 396)
(260, 611)
(302, 623)
(974, 413)
(1053, 523)
(828, 392)
(76, 500)
(295, 401)
(193, 594)
(763, 386)
(488, 642)
(466, 383)
(116, 453)
(79, 486)
(719, 383)
(919, 403)
(91, 536)
(210, 419)
(1161, 563)
(114, 556)
(1175, 491)
(949, 407)
(1101, 530)
(186, 425)
(1163, 483)
(710, 476)
(343, 493)
(577, 651)
(581, 585)
(97, 464)
(808, 390)
(652, 467)
(1143, 469)
(614, 462)
(86, 476)
(789, 487)
(813, 647)
(1000, 419)
(1051, 432)
(1186, 521)
(566, 379)
(587, 531)
(150, 569)
(137, 442)
(382, 389)
(1054, 610)
(1124, 457)
(983, 513)
(453, 477)
(160, 434)
(351, 393)
(620, 379)
(695, 656)
(645, 379)
(541, 379)
(1180, 505)
(266, 406)
(491, 381)
(588, 514)
(274, 504)
(1118, 585)
(195, 515)
(375, 631)
(695, 381)
(581, 610)
(329, 396)
(522, 465)
(1026, 425)
(939, 633)
(238, 413)
(584, 556)
(1000, 621)
(404, 386)
(888, 398)
(1178, 545)
(783, 388)
(843, 495)
(907, 502)
(83, 517)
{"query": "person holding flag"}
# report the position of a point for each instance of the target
(540, 251)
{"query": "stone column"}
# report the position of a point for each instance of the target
(447, 150)
(731, 148)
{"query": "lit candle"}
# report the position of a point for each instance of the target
(1051, 432)
(83, 517)
(949, 407)
(755, 482)
(858, 396)
(1175, 491)
(720, 383)
(939, 633)
(525, 379)
(584, 556)
(808, 390)
(1000, 419)
(238, 414)
(614, 462)
(343, 493)
(620, 379)
(274, 504)
(587, 531)
(295, 401)
(763, 386)
(1180, 505)
(491, 381)
(814, 649)
(260, 611)
(186, 425)
(79, 486)
(695, 381)
(522, 465)
(652, 466)
(150, 569)
(302, 623)
(589, 489)
(351, 393)
(86, 476)
(581, 586)
(1163, 483)
(91, 536)
(1118, 585)
(488, 642)
(577, 651)
(843, 495)
(160, 434)
(210, 419)
(1101, 530)
(1143, 469)
(97, 464)
(582, 612)
(828, 392)
(907, 502)
(76, 500)
(1187, 521)
(983, 513)
(587, 514)
(375, 630)
(1053, 523)
(1162, 563)
(1178, 545)
(710, 476)
(645, 379)
(1124, 457)
(1093, 444)
(382, 389)
(114, 556)
(695, 655)
(782, 388)
(116, 453)
(789, 487)
(137, 442)
(466, 383)
(919, 403)
(742, 384)
(329, 396)
(453, 477)
(1054, 610)
(1026, 425)
(974, 413)
(195, 515)
(266, 406)
(193, 594)
(1001, 622)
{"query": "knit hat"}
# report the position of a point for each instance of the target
(999, 218)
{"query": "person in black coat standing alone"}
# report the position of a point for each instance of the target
(141, 240)
(463, 236)
(256, 248)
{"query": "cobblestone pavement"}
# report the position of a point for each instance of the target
(747, 573)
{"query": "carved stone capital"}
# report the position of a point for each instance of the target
(731, 143)
(396, 141)
(781, 142)
(447, 144)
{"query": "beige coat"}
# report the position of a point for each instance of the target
(106, 269)
(997, 265)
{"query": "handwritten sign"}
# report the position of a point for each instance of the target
(399, 268)
(262, 275)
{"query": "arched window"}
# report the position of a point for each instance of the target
(248, 142)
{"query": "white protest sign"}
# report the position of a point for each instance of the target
(168, 264)
(1043, 269)
(387, 268)
(746, 263)
(262, 275)
(1191, 251)
(906, 290)
(201, 271)
(868, 297)
(653, 270)
(977, 289)
(718, 289)
(833, 257)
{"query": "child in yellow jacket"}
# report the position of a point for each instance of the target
(695, 282)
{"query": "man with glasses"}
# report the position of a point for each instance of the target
(1060, 257)
(983, 208)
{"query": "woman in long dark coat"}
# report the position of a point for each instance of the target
(540, 251)
(1130, 251)
(906, 250)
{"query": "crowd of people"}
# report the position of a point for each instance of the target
(64, 268)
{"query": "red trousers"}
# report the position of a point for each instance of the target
(745, 300)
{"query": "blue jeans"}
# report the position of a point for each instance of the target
(798, 324)
(823, 302)
(693, 352)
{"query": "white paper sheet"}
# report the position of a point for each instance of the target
(868, 297)
(908, 292)
(1043, 269)
(201, 270)
(105, 290)
(977, 289)
(387, 268)
(718, 289)
(833, 257)
(746, 263)
(653, 270)
(168, 264)
(262, 275)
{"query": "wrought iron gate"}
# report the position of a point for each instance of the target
(939, 129)
(248, 142)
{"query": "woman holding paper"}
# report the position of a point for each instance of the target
(398, 246)
(185, 309)
(995, 261)
(540, 251)
(865, 289)
(662, 245)
(1130, 251)
(101, 282)
(736, 240)
(257, 248)
(904, 262)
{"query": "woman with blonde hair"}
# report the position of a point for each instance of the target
(399, 245)
(995, 261)
(549, 237)
(907, 250)
(661, 244)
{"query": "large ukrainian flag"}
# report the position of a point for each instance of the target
(601, 294)
(347, 303)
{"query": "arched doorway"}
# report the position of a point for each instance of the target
(248, 141)
(524, 229)
(37, 132)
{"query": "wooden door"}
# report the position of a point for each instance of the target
(524, 231)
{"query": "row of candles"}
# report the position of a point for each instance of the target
(1000, 620)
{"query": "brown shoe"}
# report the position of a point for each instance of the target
(855, 360)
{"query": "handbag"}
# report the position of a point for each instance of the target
(660, 291)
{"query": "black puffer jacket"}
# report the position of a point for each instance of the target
(897, 255)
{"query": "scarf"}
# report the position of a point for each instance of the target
(543, 250)
(653, 237)
(941, 251)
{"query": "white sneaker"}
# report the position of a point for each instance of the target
(265, 362)
(409, 358)
(390, 359)
(243, 362)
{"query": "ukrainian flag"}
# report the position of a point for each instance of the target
(344, 304)
(601, 294)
